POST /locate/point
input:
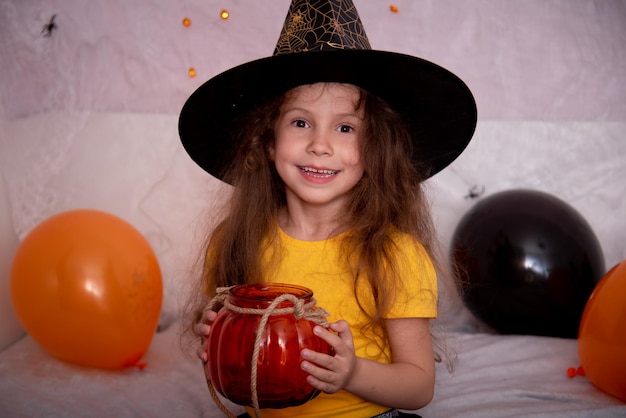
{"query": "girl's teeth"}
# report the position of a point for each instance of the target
(313, 170)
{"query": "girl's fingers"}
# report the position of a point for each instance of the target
(208, 316)
(202, 354)
(201, 329)
(342, 341)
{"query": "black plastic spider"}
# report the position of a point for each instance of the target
(46, 30)
(475, 192)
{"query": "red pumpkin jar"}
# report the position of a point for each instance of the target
(279, 318)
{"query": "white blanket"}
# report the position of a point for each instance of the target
(494, 376)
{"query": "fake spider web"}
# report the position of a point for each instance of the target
(321, 25)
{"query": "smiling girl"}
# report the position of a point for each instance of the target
(327, 150)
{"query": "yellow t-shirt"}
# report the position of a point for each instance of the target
(318, 266)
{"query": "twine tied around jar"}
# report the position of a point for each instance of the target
(300, 310)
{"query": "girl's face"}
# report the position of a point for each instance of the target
(316, 148)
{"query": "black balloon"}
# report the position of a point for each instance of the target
(528, 262)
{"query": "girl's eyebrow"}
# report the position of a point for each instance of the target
(288, 109)
(354, 114)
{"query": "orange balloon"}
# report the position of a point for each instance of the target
(87, 287)
(602, 334)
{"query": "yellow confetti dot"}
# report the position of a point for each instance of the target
(224, 14)
(186, 22)
(192, 72)
(393, 8)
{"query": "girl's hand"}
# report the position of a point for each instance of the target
(202, 329)
(331, 373)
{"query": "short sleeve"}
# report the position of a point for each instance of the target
(416, 296)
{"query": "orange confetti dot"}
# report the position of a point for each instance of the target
(224, 14)
(192, 72)
(186, 22)
(393, 8)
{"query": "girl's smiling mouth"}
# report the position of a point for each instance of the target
(318, 172)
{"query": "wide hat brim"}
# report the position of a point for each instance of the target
(438, 107)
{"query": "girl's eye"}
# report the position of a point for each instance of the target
(299, 123)
(346, 129)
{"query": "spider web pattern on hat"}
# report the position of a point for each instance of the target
(321, 25)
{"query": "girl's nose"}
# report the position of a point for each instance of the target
(320, 143)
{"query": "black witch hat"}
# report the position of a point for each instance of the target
(324, 41)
